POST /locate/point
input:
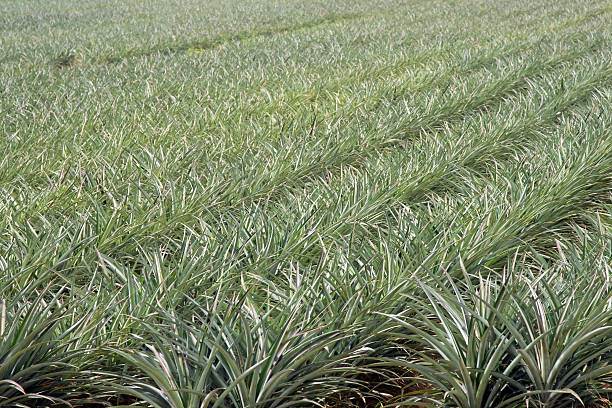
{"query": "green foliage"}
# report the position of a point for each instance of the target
(38, 357)
(326, 203)
(519, 338)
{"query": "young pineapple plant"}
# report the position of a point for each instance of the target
(226, 355)
(539, 339)
(38, 362)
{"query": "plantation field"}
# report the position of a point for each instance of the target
(333, 203)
